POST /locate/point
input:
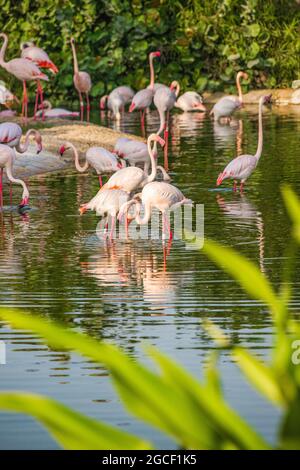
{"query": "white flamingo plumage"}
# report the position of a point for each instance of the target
(50, 112)
(135, 152)
(102, 160)
(11, 133)
(228, 104)
(243, 166)
(131, 178)
(143, 98)
(117, 99)
(23, 70)
(190, 101)
(164, 100)
(6, 96)
(82, 82)
(160, 195)
(7, 158)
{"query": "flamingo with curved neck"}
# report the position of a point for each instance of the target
(239, 76)
(22, 148)
(7, 157)
(243, 166)
(69, 145)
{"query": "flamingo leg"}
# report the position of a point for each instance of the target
(1, 188)
(88, 107)
(100, 181)
(40, 90)
(113, 222)
(234, 186)
(168, 227)
(241, 187)
(25, 102)
(81, 106)
(10, 193)
(36, 105)
(143, 121)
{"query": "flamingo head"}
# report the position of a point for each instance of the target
(62, 150)
(25, 45)
(243, 75)
(155, 54)
(220, 178)
(72, 40)
(131, 107)
(103, 101)
(267, 99)
(156, 138)
(38, 140)
(82, 209)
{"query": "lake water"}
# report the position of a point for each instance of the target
(52, 263)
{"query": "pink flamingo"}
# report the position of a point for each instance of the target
(82, 82)
(50, 112)
(160, 195)
(23, 70)
(190, 101)
(143, 98)
(135, 152)
(39, 57)
(131, 177)
(107, 202)
(99, 158)
(164, 100)
(7, 158)
(11, 133)
(228, 104)
(117, 99)
(6, 96)
(243, 166)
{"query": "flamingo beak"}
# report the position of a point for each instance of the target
(157, 54)
(82, 209)
(160, 141)
(39, 149)
(131, 108)
(62, 150)
(200, 106)
(220, 179)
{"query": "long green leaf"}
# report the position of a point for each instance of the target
(71, 429)
(292, 203)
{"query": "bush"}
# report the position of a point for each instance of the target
(203, 42)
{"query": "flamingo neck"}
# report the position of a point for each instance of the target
(76, 69)
(260, 131)
(142, 220)
(239, 87)
(3, 48)
(176, 88)
(162, 116)
(151, 57)
(78, 167)
(151, 151)
(22, 148)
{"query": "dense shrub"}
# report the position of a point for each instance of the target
(203, 42)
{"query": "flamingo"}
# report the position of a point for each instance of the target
(131, 178)
(134, 151)
(98, 158)
(190, 101)
(11, 133)
(50, 112)
(107, 202)
(117, 99)
(164, 100)
(119, 145)
(39, 57)
(160, 195)
(228, 104)
(7, 158)
(243, 166)
(6, 96)
(143, 98)
(82, 82)
(23, 70)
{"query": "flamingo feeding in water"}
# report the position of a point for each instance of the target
(50, 112)
(143, 98)
(11, 133)
(39, 57)
(164, 100)
(7, 158)
(107, 202)
(160, 195)
(190, 101)
(131, 178)
(82, 82)
(225, 106)
(24, 70)
(135, 152)
(117, 99)
(243, 166)
(99, 158)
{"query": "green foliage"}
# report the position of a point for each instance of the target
(193, 413)
(203, 43)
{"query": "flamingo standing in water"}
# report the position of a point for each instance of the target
(143, 98)
(23, 70)
(39, 57)
(243, 166)
(99, 158)
(11, 133)
(160, 195)
(228, 104)
(107, 202)
(190, 101)
(117, 99)
(82, 82)
(7, 158)
(50, 112)
(135, 152)
(164, 100)
(131, 178)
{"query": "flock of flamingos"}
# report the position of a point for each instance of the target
(116, 197)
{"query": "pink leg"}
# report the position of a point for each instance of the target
(234, 186)
(36, 105)
(113, 222)
(42, 99)
(1, 188)
(241, 187)
(168, 227)
(143, 121)
(100, 181)
(87, 108)
(25, 102)
(81, 106)
(10, 193)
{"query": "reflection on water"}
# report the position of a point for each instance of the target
(135, 291)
